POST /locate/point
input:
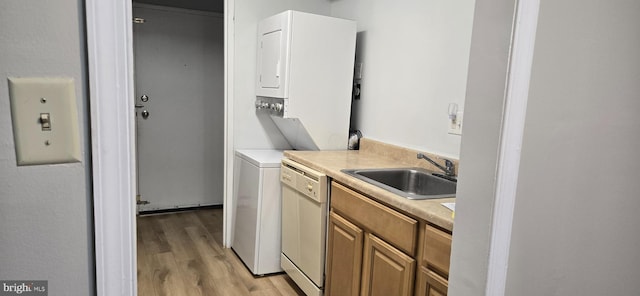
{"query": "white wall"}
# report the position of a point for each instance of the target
(250, 130)
(484, 104)
(45, 211)
(575, 229)
(576, 212)
(415, 57)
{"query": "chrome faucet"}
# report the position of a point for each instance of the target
(448, 169)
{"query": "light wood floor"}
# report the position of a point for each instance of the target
(182, 254)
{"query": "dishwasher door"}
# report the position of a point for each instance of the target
(304, 217)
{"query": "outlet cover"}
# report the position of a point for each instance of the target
(45, 120)
(455, 126)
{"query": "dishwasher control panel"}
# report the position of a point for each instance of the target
(305, 180)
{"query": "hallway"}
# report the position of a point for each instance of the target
(181, 254)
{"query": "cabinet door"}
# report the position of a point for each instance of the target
(273, 56)
(344, 257)
(430, 283)
(385, 269)
(270, 53)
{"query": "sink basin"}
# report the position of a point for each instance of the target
(411, 183)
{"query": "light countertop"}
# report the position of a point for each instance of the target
(331, 162)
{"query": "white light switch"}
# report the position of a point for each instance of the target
(45, 120)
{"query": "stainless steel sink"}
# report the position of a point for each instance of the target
(411, 183)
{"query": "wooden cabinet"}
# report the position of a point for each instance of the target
(385, 269)
(373, 249)
(399, 230)
(433, 274)
(430, 284)
(344, 253)
(370, 247)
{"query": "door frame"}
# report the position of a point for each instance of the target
(110, 78)
(525, 23)
(111, 93)
(110, 75)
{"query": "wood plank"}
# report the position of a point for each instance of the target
(197, 279)
(203, 241)
(181, 245)
(285, 285)
(212, 220)
(151, 232)
(167, 278)
(251, 283)
(145, 283)
(182, 254)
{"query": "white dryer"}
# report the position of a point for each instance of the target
(257, 200)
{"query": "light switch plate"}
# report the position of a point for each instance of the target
(33, 99)
(455, 126)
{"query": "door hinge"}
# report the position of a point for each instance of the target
(138, 20)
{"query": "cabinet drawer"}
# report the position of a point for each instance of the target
(394, 227)
(436, 249)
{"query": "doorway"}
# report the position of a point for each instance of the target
(179, 106)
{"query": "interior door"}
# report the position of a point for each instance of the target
(180, 129)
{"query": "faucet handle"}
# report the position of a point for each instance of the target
(450, 166)
(448, 163)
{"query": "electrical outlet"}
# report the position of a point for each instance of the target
(455, 126)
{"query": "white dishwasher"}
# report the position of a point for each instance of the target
(304, 221)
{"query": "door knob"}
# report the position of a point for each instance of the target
(145, 114)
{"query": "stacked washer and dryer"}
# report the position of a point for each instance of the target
(304, 81)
